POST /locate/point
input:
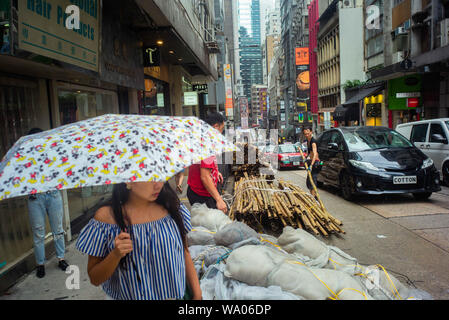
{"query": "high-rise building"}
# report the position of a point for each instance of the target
(250, 45)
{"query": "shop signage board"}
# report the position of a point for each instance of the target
(403, 88)
(42, 30)
(191, 98)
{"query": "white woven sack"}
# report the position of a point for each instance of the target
(211, 219)
(233, 233)
(200, 236)
(253, 263)
(316, 283)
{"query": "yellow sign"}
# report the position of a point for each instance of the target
(42, 30)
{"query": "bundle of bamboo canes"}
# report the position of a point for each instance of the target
(270, 204)
(249, 161)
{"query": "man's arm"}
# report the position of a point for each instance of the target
(315, 153)
(209, 185)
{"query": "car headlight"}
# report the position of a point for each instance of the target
(427, 163)
(364, 165)
(285, 158)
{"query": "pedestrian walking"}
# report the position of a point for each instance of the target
(204, 176)
(313, 161)
(39, 205)
(137, 247)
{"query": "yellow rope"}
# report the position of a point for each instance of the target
(203, 231)
(302, 264)
(262, 239)
(392, 284)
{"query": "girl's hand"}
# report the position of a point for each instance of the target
(123, 245)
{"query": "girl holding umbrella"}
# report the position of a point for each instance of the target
(136, 244)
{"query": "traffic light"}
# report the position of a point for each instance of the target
(310, 117)
(301, 117)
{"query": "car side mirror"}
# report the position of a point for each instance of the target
(332, 146)
(438, 138)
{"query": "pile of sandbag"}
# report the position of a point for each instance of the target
(235, 262)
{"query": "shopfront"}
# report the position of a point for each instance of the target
(404, 100)
(39, 88)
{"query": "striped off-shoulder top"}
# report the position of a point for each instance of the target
(157, 268)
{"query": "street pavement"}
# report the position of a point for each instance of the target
(407, 237)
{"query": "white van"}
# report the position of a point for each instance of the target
(431, 137)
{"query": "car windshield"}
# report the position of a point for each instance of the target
(287, 148)
(365, 140)
(447, 125)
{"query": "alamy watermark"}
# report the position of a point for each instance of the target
(73, 280)
(372, 17)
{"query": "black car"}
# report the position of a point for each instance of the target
(374, 160)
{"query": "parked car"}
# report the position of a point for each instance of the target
(374, 160)
(301, 146)
(431, 137)
(287, 155)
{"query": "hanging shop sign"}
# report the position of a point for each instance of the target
(200, 88)
(151, 57)
(43, 30)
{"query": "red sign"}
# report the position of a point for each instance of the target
(412, 102)
(302, 56)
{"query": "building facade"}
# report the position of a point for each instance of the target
(128, 57)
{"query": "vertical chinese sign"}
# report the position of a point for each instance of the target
(243, 104)
(229, 106)
(302, 81)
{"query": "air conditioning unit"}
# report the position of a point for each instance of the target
(400, 31)
(398, 57)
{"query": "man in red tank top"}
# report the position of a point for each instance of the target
(204, 176)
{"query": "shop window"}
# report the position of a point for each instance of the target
(76, 104)
(19, 112)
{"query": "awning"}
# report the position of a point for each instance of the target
(362, 94)
(346, 113)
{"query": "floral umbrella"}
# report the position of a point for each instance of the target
(106, 150)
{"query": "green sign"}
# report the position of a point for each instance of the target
(43, 30)
(400, 89)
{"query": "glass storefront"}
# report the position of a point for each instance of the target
(76, 104)
(20, 111)
(155, 98)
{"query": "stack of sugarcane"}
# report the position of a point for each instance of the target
(269, 204)
(248, 161)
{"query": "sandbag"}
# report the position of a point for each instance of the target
(252, 264)
(316, 283)
(315, 253)
(382, 285)
(200, 236)
(211, 219)
(216, 286)
(233, 233)
(264, 266)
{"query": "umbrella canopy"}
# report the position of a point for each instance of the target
(106, 150)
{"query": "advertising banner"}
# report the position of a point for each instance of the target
(302, 80)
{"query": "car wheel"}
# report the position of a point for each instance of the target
(445, 170)
(422, 196)
(347, 186)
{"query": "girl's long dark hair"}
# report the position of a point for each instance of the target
(167, 198)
